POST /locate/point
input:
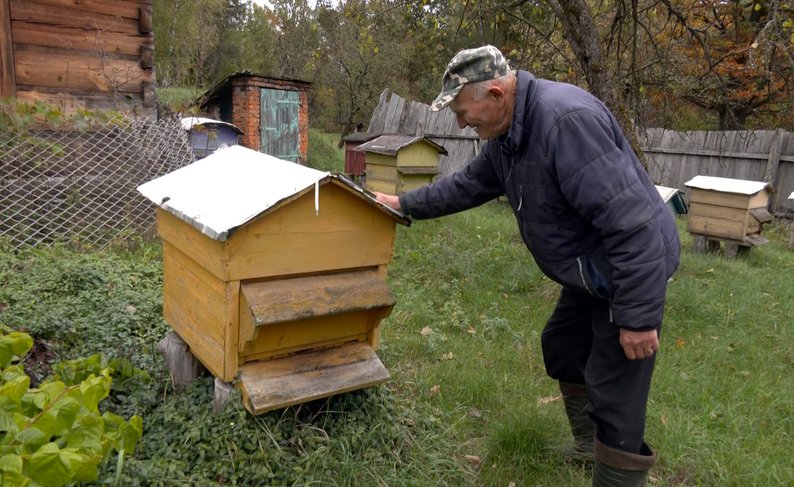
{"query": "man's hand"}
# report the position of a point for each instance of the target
(639, 344)
(391, 201)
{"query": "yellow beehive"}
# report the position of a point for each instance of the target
(275, 274)
(399, 163)
(732, 210)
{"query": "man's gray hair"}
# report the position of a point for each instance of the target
(480, 88)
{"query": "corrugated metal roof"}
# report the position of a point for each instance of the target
(234, 185)
(226, 82)
(728, 185)
(390, 144)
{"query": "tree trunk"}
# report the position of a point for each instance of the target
(581, 33)
(732, 118)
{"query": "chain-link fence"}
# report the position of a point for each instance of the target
(79, 185)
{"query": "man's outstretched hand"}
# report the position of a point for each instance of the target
(389, 200)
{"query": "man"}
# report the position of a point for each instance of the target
(593, 221)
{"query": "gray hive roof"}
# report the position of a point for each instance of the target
(390, 144)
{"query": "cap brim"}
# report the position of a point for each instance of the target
(445, 98)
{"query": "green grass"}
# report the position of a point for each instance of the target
(463, 348)
(324, 153)
(179, 100)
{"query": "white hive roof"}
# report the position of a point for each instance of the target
(728, 185)
(234, 185)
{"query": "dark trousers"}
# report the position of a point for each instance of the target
(582, 346)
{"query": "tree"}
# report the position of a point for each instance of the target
(367, 47)
(732, 58)
(186, 34)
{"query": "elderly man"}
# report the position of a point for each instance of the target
(593, 221)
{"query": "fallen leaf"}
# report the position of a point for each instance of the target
(447, 356)
(435, 390)
(663, 419)
(471, 331)
(473, 459)
(474, 413)
(131, 309)
(548, 399)
(426, 331)
(679, 343)
(511, 484)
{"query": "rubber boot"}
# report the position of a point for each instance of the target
(617, 468)
(574, 396)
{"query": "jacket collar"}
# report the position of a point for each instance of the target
(525, 93)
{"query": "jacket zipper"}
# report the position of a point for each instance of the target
(581, 276)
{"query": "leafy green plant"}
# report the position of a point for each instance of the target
(56, 434)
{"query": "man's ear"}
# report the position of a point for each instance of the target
(497, 92)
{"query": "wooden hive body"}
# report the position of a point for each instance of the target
(727, 209)
(396, 164)
(303, 282)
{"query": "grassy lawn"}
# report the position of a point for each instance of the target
(469, 403)
(324, 153)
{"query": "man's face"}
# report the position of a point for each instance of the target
(487, 117)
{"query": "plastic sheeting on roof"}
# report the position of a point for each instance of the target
(727, 185)
(228, 188)
(190, 122)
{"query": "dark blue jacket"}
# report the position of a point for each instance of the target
(586, 208)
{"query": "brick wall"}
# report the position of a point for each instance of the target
(245, 109)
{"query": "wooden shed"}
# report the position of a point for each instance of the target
(273, 113)
(95, 55)
(729, 210)
(355, 162)
(399, 163)
(274, 274)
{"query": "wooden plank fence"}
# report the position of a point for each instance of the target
(673, 157)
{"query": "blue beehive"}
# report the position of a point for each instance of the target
(208, 135)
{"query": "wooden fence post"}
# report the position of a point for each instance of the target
(8, 83)
(772, 164)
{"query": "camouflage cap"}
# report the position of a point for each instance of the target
(469, 66)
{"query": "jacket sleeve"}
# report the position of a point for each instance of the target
(602, 180)
(472, 186)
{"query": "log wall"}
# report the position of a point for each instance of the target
(93, 54)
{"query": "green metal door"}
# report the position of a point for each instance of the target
(278, 123)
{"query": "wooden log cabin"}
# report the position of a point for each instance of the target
(94, 55)
(274, 274)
